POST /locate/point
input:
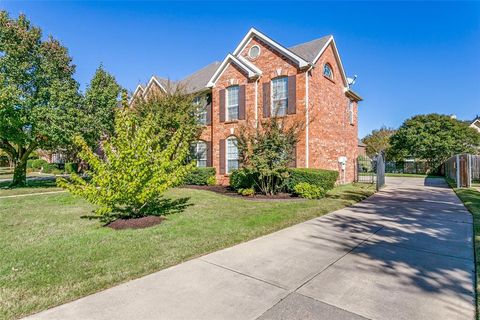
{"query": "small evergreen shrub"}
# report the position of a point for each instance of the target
(71, 167)
(308, 191)
(248, 192)
(242, 179)
(200, 176)
(38, 163)
(318, 177)
(51, 168)
(211, 181)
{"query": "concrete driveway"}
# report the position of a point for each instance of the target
(405, 253)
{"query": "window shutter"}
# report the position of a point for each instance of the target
(222, 156)
(292, 95)
(209, 153)
(293, 164)
(221, 99)
(241, 103)
(266, 100)
(209, 110)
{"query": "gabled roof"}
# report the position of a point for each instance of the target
(198, 81)
(310, 50)
(251, 70)
(286, 52)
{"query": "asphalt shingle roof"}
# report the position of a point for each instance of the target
(309, 50)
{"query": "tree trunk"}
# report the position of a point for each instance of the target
(20, 173)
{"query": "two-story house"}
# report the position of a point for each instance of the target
(261, 79)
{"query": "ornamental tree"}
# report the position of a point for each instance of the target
(140, 163)
(38, 96)
(378, 140)
(267, 152)
(435, 138)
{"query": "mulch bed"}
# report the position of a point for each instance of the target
(137, 223)
(225, 190)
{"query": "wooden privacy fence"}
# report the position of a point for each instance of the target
(464, 169)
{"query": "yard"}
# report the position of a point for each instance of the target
(471, 199)
(50, 255)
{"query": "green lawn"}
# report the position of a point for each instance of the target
(471, 199)
(50, 255)
(34, 186)
(7, 173)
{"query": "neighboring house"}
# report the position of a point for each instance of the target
(260, 79)
(476, 124)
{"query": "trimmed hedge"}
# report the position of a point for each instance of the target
(37, 163)
(241, 179)
(318, 177)
(200, 176)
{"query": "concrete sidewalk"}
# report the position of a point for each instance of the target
(405, 253)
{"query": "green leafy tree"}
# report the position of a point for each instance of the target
(434, 138)
(101, 101)
(267, 152)
(141, 163)
(38, 96)
(378, 140)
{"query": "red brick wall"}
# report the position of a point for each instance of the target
(331, 134)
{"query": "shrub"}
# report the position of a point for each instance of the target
(71, 167)
(29, 164)
(318, 177)
(211, 181)
(200, 176)
(51, 168)
(309, 191)
(242, 179)
(248, 192)
(38, 163)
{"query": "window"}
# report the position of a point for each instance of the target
(200, 153)
(201, 110)
(232, 103)
(327, 71)
(350, 113)
(232, 154)
(254, 52)
(279, 96)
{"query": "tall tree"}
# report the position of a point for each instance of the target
(435, 138)
(378, 140)
(38, 95)
(101, 101)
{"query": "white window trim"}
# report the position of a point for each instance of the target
(271, 97)
(226, 152)
(227, 117)
(196, 153)
(259, 51)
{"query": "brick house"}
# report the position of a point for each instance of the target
(261, 79)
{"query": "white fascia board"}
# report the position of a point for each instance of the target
(153, 79)
(229, 59)
(250, 65)
(337, 56)
(254, 32)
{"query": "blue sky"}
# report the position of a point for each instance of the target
(410, 57)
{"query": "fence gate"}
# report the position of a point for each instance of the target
(380, 170)
(371, 170)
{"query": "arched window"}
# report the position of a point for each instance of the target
(327, 70)
(279, 96)
(200, 153)
(232, 154)
(350, 109)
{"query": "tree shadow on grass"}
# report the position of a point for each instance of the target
(37, 182)
(162, 207)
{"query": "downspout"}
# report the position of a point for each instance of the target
(307, 107)
(256, 102)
